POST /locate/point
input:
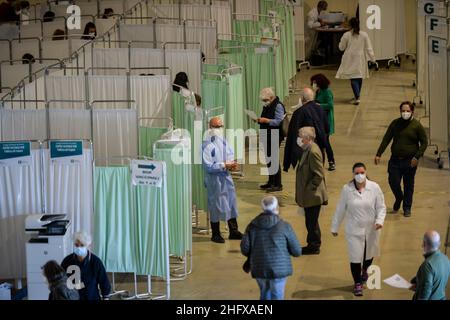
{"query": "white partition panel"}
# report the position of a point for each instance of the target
(438, 91)
(22, 125)
(109, 58)
(50, 27)
(12, 74)
(188, 61)
(69, 190)
(115, 134)
(116, 5)
(57, 49)
(20, 195)
(32, 30)
(19, 48)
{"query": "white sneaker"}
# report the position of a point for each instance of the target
(357, 102)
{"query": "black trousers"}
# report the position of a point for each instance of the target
(312, 226)
(356, 268)
(274, 179)
(329, 150)
(399, 169)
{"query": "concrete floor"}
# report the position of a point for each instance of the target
(217, 272)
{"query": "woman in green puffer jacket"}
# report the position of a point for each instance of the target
(324, 97)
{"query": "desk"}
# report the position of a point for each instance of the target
(329, 39)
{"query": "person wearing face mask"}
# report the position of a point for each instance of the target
(432, 277)
(310, 114)
(93, 273)
(272, 116)
(362, 204)
(90, 31)
(409, 142)
(310, 187)
(218, 161)
(324, 98)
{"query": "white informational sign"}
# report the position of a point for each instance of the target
(147, 173)
(15, 153)
(437, 27)
(251, 114)
(432, 7)
(438, 87)
(67, 152)
(397, 281)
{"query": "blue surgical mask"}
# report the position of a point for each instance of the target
(80, 251)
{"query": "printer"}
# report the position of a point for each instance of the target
(333, 18)
(50, 240)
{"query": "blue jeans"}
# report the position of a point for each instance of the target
(357, 86)
(272, 289)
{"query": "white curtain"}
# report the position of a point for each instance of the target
(66, 88)
(115, 134)
(188, 61)
(20, 195)
(153, 96)
(108, 58)
(107, 88)
(70, 124)
(141, 57)
(31, 91)
(247, 8)
(390, 40)
(116, 5)
(221, 13)
(69, 190)
(207, 36)
(143, 32)
(22, 125)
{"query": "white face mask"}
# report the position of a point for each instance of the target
(216, 132)
(314, 86)
(300, 143)
(406, 115)
(360, 178)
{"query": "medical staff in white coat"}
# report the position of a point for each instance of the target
(218, 161)
(354, 66)
(314, 21)
(362, 204)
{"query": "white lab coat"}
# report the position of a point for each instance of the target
(312, 22)
(362, 212)
(358, 48)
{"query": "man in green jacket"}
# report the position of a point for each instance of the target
(409, 144)
(433, 274)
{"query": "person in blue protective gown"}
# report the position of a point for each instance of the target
(218, 161)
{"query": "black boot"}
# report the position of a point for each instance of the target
(216, 237)
(234, 232)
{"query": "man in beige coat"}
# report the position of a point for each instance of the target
(310, 192)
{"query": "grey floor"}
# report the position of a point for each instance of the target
(217, 272)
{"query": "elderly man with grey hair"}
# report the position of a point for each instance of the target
(93, 273)
(269, 242)
(310, 114)
(270, 123)
(432, 277)
(310, 188)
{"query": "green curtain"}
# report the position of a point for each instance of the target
(179, 186)
(115, 234)
(147, 137)
(130, 228)
(151, 231)
(178, 110)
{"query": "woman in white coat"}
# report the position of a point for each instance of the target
(354, 66)
(362, 204)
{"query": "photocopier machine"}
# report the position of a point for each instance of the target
(50, 240)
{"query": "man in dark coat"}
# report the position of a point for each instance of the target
(310, 114)
(270, 122)
(269, 242)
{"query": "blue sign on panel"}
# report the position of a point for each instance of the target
(10, 150)
(59, 149)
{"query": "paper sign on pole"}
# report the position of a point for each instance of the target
(147, 173)
(432, 7)
(15, 153)
(436, 27)
(66, 151)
